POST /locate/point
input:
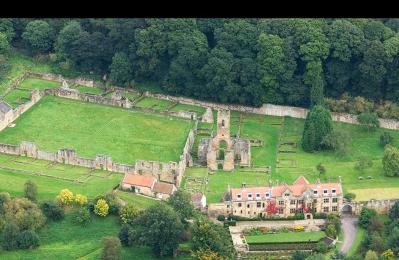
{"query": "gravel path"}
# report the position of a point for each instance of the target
(349, 226)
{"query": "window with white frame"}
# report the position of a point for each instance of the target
(281, 202)
(334, 191)
(326, 200)
(249, 195)
(325, 191)
(257, 196)
(335, 200)
(267, 195)
(238, 196)
(314, 192)
(258, 204)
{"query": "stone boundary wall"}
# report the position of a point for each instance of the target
(15, 83)
(60, 78)
(381, 206)
(272, 110)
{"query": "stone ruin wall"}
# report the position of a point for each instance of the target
(381, 206)
(60, 78)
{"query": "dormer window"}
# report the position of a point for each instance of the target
(325, 191)
(314, 192)
(239, 196)
(257, 196)
(287, 194)
(267, 195)
(334, 191)
(249, 195)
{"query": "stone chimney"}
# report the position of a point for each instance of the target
(243, 185)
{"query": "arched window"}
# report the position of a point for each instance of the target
(223, 122)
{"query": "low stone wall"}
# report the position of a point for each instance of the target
(60, 78)
(381, 206)
(277, 224)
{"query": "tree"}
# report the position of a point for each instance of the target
(24, 213)
(363, 163)
(30, 190)
(80, 199)
(39, 36)
(159, 227)
(300, 255)
(126, 235)
(181, 203)
(65, 197)
(129, 213)
(386, 138)
(207, 235)
(388, 254)
(321, 169)
(121, 69)
(4, 43)
(371, 255)
(350, 196)
(318, 124)
(338, 141)
(111, 248)
(369, 120)
(28, 239)
(377, 243)
(206, 254)
(331, 231)
(316, 256)
(53, 211)
(394, 211)
(390, 161)
(10, 236)
(81, 216)
(4, 198)
(271, 208)
(101, 208)
(321, 246)
(365, 217)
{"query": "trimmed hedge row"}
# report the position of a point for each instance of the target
(283, 246)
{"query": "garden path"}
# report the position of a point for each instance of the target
(349, 226)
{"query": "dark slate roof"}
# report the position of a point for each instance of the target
(4, 107)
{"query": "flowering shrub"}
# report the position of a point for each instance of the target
(299, 228)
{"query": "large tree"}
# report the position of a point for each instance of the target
(390, 161)
(318, 125)
(39, 36)
(181, 202)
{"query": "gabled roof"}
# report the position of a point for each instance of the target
(301, 181)
(4, 107)
(139, 180)
(162, 187)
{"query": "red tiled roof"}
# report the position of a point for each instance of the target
(139, 180)
(297, 189)
(162, 187)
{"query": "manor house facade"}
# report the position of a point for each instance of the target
(284, 200)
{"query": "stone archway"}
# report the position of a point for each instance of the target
(347, 209)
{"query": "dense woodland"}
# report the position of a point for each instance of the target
(247, 61)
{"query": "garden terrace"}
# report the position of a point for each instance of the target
(92, 129)
(286, 237)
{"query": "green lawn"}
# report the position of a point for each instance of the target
(89, 90)
(17, 97)
(183, 107)
(156, 104)
(92, 129)
(137, 200)
(286, 237)
(34, 83)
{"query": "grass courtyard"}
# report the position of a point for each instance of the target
(92, 129)
(288, 237)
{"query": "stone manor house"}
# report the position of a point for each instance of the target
(282, 200)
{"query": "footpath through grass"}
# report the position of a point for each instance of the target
(92, 129)
(360, 234)
(288, 237)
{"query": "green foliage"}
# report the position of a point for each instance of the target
(81, 216)
(371, 255)
(363, 164)
(321, 169)
(101, 208)
(207, 235)
(111, 248)
(129, 213)
(322, 247)
(39, 36)
(338, 141)
(318, 125)
(300, 255)
(365, 217)
(165, 226)
(350, 196)
(316, 256)
(386, 138)
(181, 203)
(121, 70)
(30, 190)
(331, 231)
(28, 239)
(394, 211)
(9, 236)
(4, 43)
(369, 120)
(53, 211)
(390, 161)
(126, 235)
(24, 213)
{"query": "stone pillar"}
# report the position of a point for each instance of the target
(228, 164)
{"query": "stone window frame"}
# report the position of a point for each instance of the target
(249, 196)
(281, 202)
(333, 191)
(280, 211)
(326, 200)
(239, 196)
(257, 195)
(315, 192)
(300, 202)
(258, 204)
(325, 191)
(292, 211)
(334, 200)
(293, 202)
(326, 209)
(267, 195)
(334, 208)
(239, 204)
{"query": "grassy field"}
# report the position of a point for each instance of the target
(183, 107)
(92, 129)
(156, 104)
(89, 90)
(64, 240)
(286, 237)
(376, 193)
(17, 97)
(34, 83)
(137, 200)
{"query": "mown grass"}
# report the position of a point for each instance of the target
(375, 193)
(89, 90)
(183, 107)
(137, 200)
(156, 104)
(17, 97)
(286, 237)
(34, 83)
(92, 129)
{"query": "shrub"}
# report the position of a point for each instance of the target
(128, 214)
(369, 120)
(24, 213)
(111, 248)
(220, 217)
(331, 231)
(386, 138)
(299, 228)
(320, 168)
(80, 199)
(28, 239)
(390, 161)
(363, 164)
(365, 217)
(350, 196)
(101, 208)
(81, 216)
(30, 190)
(53, 211)
(371, 255)
(65, 197)
(111, 200)
(10, 236)
(125, 235)
(321, 247)
(206, 254)
(339, 141)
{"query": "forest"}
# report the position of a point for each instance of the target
(245, 61)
